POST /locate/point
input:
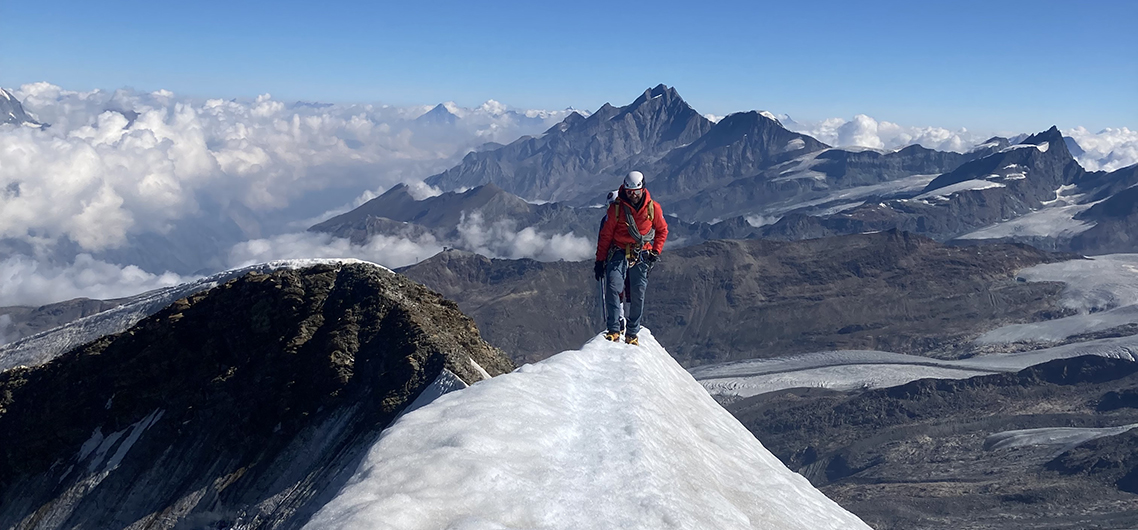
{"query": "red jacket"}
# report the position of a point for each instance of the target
(615, 230)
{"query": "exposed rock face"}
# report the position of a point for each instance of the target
(244, 406)
(1115, 218)
(739, 145)
(921, 455)
(730, 300)
(582, 156)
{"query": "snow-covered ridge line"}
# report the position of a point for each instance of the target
(46, 345)
(608, 436)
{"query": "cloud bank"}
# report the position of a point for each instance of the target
(117, 165)
(25, 281)
(865, 131)
(501, 239)
(1106, 150)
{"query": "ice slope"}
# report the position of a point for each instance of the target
(44, 346)
(608, 436)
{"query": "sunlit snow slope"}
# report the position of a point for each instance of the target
(610, 436)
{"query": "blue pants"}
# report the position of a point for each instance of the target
(615, 270)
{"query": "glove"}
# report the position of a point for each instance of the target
(599, 270)
(650, 257)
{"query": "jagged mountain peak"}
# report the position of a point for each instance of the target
(439, 115)
(667, 96)
(1050, 136)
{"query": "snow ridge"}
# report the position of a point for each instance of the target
(608, 436)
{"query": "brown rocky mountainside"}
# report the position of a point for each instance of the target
(945, 454)
(729, 300)
(246, 406)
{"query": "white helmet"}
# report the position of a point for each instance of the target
(634, 180)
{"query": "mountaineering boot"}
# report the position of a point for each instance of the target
(613, 336)
(631, 339)
(622, 325)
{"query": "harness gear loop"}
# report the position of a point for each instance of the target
(632, 255)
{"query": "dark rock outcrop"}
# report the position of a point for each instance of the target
(244, 406)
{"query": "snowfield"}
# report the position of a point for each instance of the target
(1056, 221)
(1103, 290)
(608, 436)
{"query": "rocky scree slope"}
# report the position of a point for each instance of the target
(244, 406)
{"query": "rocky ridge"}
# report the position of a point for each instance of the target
(241, 406)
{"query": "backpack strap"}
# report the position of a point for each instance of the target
(629, 220)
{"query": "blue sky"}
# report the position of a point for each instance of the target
(1003, 66)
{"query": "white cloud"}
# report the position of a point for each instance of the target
(501, 239)
(114, 165)
(421, 191)
(24, 281)
(1108, 149)
(387, 251)
(861, 131)
(865, 131)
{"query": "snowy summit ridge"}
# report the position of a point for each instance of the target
(608, 436)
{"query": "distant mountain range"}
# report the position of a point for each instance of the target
(746, 176)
